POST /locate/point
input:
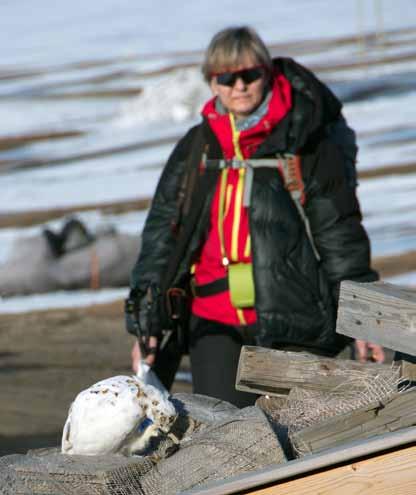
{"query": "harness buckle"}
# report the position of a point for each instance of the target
(175, 302)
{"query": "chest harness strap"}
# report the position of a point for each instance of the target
(289, 168)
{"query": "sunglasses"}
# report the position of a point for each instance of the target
(247, 76)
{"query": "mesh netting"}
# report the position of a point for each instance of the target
(9, 479)
(241, 443)
(211, 440)
(271, 405)
(195, 412)
(304, 407)
(48, 472)
(54, 473)
(307, 407)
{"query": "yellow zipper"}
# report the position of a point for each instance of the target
(237, 204)
(236, 137)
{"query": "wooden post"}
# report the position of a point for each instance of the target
(378, 312)
(273, 372)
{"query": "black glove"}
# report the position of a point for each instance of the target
(141, 313)
(131, 314)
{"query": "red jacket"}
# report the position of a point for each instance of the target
(236, 230)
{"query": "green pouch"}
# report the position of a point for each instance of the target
(241, 285)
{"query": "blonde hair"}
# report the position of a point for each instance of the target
(228, 48)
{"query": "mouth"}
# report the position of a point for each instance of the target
(242, 98)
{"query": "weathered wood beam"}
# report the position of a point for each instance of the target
(281, 479)
(375, 419)
(391, 472)
(378, 312)
(274, 372)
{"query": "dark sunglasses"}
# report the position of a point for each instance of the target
(247, 76)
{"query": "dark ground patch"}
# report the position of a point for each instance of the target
(48, 357)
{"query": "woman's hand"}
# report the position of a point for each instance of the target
(136, 354)
(365, 351)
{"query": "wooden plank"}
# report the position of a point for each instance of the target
(274, 474)
(378, 312)
(273, 372)
(393, 472)
(362, 423)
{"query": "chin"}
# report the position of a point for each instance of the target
(244, 111)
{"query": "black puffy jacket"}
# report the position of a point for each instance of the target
(295, 294)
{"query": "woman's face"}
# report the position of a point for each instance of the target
(241, 98)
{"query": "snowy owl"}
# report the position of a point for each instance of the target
(116, 415)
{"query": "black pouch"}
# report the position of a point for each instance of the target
(178, 312)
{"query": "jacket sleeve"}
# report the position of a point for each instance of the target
(158, 239)
(335, 218)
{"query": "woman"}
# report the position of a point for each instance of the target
(263, 257)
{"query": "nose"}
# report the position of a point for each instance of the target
(239, 84)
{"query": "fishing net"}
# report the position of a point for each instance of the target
(271, 405)
(359, 389)
(241, 443)
(55, 474)
(211, 440)
(305, 407)
(197, 411)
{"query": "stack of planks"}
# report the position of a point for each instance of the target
(384, 314)
(326, 402)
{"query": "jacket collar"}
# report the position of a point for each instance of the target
(262, 122)
(313, 107)
(314, 104)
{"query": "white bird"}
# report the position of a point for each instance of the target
(117, 415)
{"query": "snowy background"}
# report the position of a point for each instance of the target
(94, 95)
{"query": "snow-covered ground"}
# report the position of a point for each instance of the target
(66, 66)
(62, 299)
(58, 32)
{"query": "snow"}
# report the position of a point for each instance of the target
(106, 29)
(62, 299)
(57, 46)
(407, 279)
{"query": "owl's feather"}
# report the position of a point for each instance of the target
(119, 414)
